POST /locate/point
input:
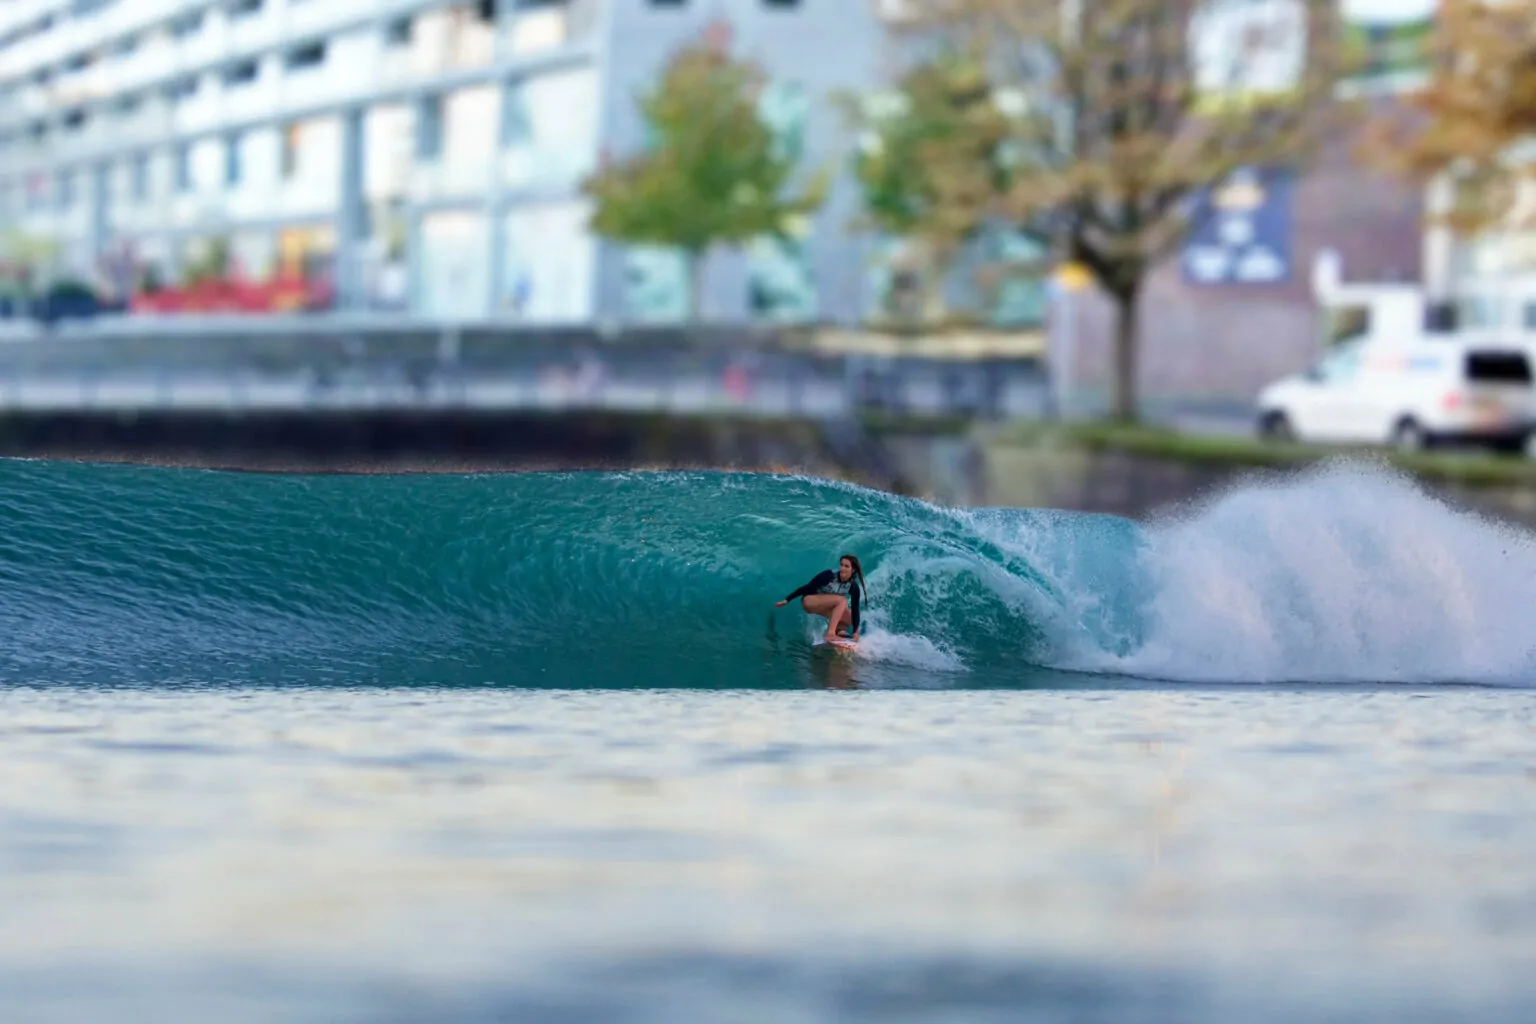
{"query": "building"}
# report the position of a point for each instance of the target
(428, 152)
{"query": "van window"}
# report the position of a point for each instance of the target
(1478, 311)
(1345, 323)
(1498, 367)
(1339, 365)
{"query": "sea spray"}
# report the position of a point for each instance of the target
(1346, 573)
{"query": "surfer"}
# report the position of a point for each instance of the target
(835, 596)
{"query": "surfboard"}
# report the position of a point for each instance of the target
(847, 645)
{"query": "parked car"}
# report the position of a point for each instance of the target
(1413, 394)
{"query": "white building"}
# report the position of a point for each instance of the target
(434, 148)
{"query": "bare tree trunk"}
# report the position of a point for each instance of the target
(935, 301)
(1126, 403)
(695, 262)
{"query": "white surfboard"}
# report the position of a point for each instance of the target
(846, 645)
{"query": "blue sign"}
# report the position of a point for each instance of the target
(1242, 231)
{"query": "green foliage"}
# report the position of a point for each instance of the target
(931, 154)
(212, 264)
(933, 158)
(713, 174)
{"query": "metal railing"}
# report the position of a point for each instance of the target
(365, 363)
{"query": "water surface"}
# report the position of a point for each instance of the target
(337, 855)
(537, 748)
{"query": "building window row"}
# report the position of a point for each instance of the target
(529, 118)
(185, 25)
(305, 57)
(179, 28)
(308, 55)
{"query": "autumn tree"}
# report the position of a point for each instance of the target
(712, 175)
(1128, 112)
(929, 161)
(1475, 108)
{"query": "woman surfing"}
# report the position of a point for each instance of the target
(835, 596)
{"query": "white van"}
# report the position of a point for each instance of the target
(1413, 394)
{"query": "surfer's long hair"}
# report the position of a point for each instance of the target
(858, 570)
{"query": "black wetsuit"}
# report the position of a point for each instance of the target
(826, 582)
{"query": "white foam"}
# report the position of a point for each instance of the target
(1349, 573)
(909, 649)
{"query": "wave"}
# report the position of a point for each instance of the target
(133, 575)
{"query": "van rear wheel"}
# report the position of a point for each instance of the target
(1274, 426)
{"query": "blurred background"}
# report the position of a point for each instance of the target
(255, 208)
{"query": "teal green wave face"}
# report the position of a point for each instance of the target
(124, 575)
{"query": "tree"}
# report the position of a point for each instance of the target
(713, 175)
(212, 264)
(1477, 105)
(1130, 111)
(929, 160)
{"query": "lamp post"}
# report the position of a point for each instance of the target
(1068, 279)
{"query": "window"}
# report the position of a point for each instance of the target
(243, 73)
(182, 155)
(66, 187)
(244, 8)
(139, 175)
(309, 56)
(1345, 323)
(181, 90)
(290, 155)
(667, 3)
(398, 32)
(1478, 311)
(186, 25)
(429, 128)
(232, 168)
(126, 45)
(1339, 365)
(516, 124)
(781, 4)
(1439, 317)
(127, 105)
(74, 120)
(1492, 367)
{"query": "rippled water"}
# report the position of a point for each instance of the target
(1223, 854)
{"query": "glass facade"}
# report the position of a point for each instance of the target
(549, 129)
(655, 284)
(549, 259)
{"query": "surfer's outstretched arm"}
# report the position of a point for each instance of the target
(818, 581)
